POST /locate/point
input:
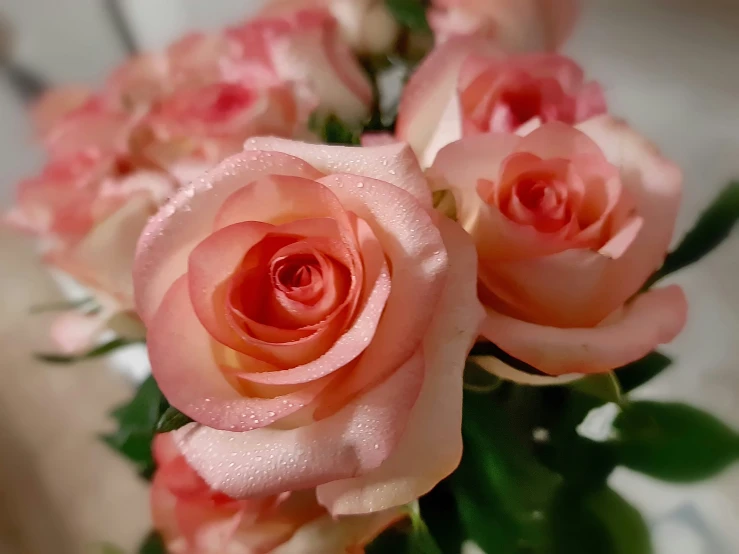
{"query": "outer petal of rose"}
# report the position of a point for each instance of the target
(318, 56)
(278, 199)
(394, 163)
(448, 130)
(170, 236)
(430, 88)
(559, 140)
(459, 166)
(74, 332)
(504, 371)
(531, 25)
(104, 258)
(191, 379)
(432, 444)
(654, 183)
(378, 139)
(415, 250)
(654, 318)
(55, 104)
(266, 461)
(327, 535)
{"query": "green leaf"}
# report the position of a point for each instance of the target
(137, 421)
(96, 352)
(333, 130)
(171, 420)
(106, 548)
(596, 521)
(421, 541)
(502, 491)
(153, 544)
(604, 386)
(673, 442)
(409, 13)
(642, 371)
(406, 539)
(61, 306)
(712, 228)
(584, 463)
(439, 511)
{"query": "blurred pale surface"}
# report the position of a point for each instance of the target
(669, 66)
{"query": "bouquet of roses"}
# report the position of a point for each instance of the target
(388, 257)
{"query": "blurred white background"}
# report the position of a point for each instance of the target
(669, 66)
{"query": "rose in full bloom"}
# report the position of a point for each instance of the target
(569, 223)
(194, 519)
(467, 86)
(366, 25)
(310, 311)
(517, 25)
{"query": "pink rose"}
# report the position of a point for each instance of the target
(212, 122)
(516, 25)
(194, 519)
(88, 207)
(193, 61)
(466, 86)
(311, 312)
(306, 49)
(569, 223)
(366, 25)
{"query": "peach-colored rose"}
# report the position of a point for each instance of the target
(304, 48)
(569, 223)
(466, 86)
(366, 25)
(517, 25)
(311, 312)
(194, 519)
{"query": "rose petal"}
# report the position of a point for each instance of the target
(189, 216)
(192, 380)
(432, 444)
(279, 199)
(395, 163)
(430, 88)
(326, 535)
(316, 55)
(654, 318)
(104, 258)
(268, 461)
(75, 333)
(419, 263)
(210, 265)
(654, 185)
